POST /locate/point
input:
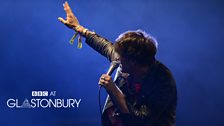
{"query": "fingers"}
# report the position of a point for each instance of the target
(67, 8)
(70, 20)
(62, 20)
(66, 5)
(105, 80)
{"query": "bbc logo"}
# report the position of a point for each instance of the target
(39, 93)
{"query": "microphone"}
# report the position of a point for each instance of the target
(113, 66)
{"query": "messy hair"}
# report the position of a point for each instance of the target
(137, 46)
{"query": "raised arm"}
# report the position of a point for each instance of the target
(98, 43)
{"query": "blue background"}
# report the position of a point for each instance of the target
(35, 54)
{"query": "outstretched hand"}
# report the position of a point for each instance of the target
(71, 20)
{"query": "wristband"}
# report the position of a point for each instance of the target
(73, 38)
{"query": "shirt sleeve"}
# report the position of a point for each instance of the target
(102, 46)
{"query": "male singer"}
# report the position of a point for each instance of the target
(144, 90)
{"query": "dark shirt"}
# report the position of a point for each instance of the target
(151, 103)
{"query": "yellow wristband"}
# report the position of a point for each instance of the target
(73, 38)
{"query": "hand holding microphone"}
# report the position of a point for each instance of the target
(106, 79)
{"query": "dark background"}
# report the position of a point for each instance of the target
(35, 54)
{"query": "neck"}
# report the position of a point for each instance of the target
(140, 72)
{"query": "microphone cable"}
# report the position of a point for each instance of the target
(113, 66)
(100, 107)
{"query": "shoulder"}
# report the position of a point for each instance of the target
(162, 69)
(161, 81)
(163, 73)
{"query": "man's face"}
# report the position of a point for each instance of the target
(128, 65)
(133, 68)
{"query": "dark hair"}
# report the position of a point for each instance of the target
(137, 46)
